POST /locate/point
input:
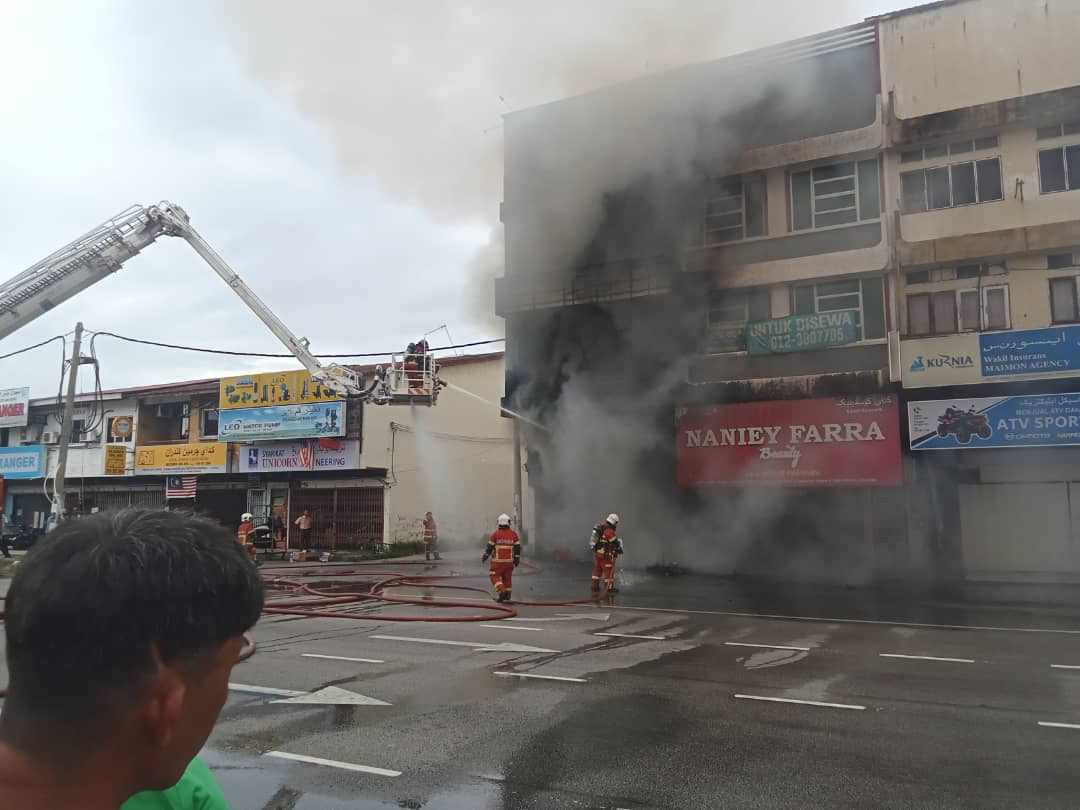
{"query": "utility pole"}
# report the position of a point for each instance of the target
(65, 427)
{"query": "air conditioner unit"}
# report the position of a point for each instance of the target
(50, 437)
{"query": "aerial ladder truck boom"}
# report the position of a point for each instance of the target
(105, 249)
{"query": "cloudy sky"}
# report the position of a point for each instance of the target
(343, 155)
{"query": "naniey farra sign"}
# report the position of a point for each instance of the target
(838, 441)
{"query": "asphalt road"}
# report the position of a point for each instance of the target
(694, 699)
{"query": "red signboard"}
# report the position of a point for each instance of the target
(842, 441)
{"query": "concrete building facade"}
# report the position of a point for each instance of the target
(862, 224)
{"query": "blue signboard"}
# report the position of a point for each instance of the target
(1040, 420)
(22, 462)
(323, 419)
(1031, 351)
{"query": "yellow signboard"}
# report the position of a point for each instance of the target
(262, 390)
(202, 457)
(115, 459)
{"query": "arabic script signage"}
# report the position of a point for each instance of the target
(1042, 420)
(201, 457)
(846, 441)
(281, 388)
(1032, 351)
(283, 422)
(801, 333)
(22, 462)
(309, 454)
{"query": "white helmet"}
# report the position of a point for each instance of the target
(504, 519)
(613, 519)
(247, 516)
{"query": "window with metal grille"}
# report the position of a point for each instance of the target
(837, 194)
(864, 297)
(729, 312)
(735, 209)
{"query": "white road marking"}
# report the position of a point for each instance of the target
(332, 763)
(510, 627)
(1064, 666)
(333, 696)
(631, 635)
(504, 646)
(264, 690)
(928, 658)
(766, 646)
(564, 617)
(828, 620)
(803, 702)
(540, 677)
(1058, 725)
(343, 658)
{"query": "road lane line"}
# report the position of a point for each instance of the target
(1058, 725)
(828, 620)
(631, 635)
(485, 646)
(803, 702)
(1064, 666)
(343, 658)
(332, 763)
(264, 690)
(539, 677)
(766, 646)
(928, 658)
(511, 627)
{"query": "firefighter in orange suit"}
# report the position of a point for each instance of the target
(606, 546)
(245, 534)
(431, 537)
(504, 549)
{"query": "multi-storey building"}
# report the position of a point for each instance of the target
(750, 264)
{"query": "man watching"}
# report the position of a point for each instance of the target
(122, 629)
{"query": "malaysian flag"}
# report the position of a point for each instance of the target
(180, 486)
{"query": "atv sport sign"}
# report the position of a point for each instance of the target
(841, 441)
(1043, 420)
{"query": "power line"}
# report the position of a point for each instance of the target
(205, 350)
(30, 348)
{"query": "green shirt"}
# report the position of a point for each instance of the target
(196, 790)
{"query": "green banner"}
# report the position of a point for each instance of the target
(801, 333)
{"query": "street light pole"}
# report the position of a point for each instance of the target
(65, 427)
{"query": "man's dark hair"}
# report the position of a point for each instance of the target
(99, 595)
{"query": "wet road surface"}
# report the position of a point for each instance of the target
(678, 695)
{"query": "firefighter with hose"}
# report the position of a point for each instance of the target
(431, 537)
(504, 549)
(606, 546)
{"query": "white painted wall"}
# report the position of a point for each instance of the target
(958, 55)
(455, 459)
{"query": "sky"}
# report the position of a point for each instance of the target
(344, 156)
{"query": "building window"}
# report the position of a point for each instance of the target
(729, 312)
(963, 147)
(1058, 130)
(838, 194)
(864, 297)
(1059, 168)
(735, 209)
(1063, 300)
(118, 429)
(78, 431)
(918, 277)
(973, 181)
(208, 423)
(1057, 261)
(949, 311)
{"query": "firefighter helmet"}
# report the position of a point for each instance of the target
(247, 516)
(613, 519)
(504, 519)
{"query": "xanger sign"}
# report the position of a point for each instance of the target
(844, 441)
